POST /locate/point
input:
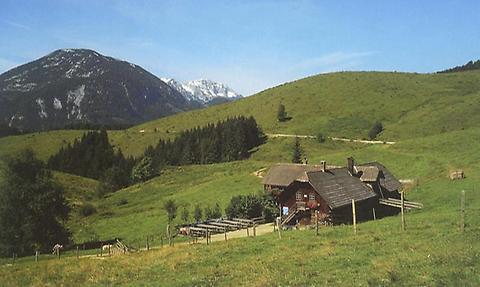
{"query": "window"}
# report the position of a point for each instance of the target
(311, 196)
(298, 196)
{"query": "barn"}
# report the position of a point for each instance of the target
(305, 192)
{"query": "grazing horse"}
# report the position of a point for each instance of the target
(184, 230)
(106, 247)
(56, 248)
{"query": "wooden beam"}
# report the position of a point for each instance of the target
(402, 210)
(354, 216)
(209, 226)
(462, 211)
(242, 224)
(226, 225)
(247, 221)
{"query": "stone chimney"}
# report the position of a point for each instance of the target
(351, 165)
(323, 165)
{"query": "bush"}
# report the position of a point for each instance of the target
(281, 114)
(87, 210)
(197, 213)
(143, 170)
(122, 201)
(321, 138)
(250, 206)
(375, 130)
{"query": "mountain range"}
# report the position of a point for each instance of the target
(71, 86)
(203, 91)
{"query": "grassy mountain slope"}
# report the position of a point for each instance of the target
(432, 116)
(338, 104)
(347, 104)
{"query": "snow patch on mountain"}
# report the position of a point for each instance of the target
(203, 91)
(42, 113)
(76, 96)
(57, 104)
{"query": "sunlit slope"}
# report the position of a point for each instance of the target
(347, 104)
(432, 251)
(338, 104)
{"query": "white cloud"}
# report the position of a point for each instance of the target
(17, 25)
(333, 62)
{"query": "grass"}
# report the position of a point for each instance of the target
(417, 111)
(343, 104)
(431, 252)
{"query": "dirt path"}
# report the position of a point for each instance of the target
(332, 138)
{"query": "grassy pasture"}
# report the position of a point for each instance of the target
(434, 120)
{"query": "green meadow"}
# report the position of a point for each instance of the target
(433, 118)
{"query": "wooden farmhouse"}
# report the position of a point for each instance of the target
(305, 192)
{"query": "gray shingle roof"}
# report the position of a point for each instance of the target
(285, 174)
(368, 173)
(388, 181)
(338, 187)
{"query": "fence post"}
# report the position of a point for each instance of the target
(316, 222)
(374, 215)
(254, 230)
(279, 227)
(248, 233)
(101, 249)
(77, 252)
(147, 246)
(225, 230)
(402, 208)
(169, 236)
(354, 216)
(462, 211)
(36, 256)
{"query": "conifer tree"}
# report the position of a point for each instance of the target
(32, 207)
(297, 151)
(281, 114)
(375, 130)
(185, 215)
(197, 213)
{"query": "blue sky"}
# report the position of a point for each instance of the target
(249, 45)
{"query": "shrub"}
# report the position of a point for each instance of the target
(197, 213)
(375, 130)
(122, 201)
(250, 206)
(321, 138)
(208, 213)
(143, 170)
(87, 210)
(281, 114)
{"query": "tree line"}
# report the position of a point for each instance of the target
(93, 156)
(471, 65)
(227, 140)
(240, 206)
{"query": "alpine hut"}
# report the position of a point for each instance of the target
(304, 192)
